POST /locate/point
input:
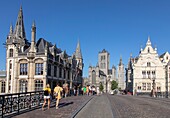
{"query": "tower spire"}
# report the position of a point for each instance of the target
(78, 53)
(19, 31)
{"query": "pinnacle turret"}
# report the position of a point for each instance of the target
(149, 41)
(11, 29)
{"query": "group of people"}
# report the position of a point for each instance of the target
(88, 90)
(47, 95)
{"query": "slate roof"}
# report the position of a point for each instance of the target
(162, 55)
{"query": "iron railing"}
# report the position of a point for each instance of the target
(16, 103)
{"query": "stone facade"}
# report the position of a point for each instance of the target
(2, 81)
(148, 71)
(30, 66)
(121, 75)
(101, 74)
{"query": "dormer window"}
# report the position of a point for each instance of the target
(148, 50)
(167, 58)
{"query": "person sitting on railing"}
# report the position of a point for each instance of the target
(47, 92)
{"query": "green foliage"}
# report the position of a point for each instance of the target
(114, 85)
(101, 87)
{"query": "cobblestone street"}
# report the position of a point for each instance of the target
(105, 106)
(123, 106)
(139, 107)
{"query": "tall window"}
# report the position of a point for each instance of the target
(60, 72)
(23, 69)
(144, 74)
(148, 64)
(10, 66)
(11, 53)
(2, 87)
(68, 75)
(23, 85)
(49, 69)
(93, 77)
(148, 50)
(39, 69)
(55, 71)
(38, 85)
(148, 73)
(148, 86)
(143, 86)
(153, 74)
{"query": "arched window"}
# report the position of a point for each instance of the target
(11, 53)
(23, 85)
(93, 77)
(38, 85)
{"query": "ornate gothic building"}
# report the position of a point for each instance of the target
(31, 65)
(148, 71)
(102, 74)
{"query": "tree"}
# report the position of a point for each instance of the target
(101, 87)
(114, 85)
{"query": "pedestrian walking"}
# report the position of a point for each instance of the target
(84, 90)
(87, 90)
(47, 92)
(57, 93)
(65, 88)
(75, 91)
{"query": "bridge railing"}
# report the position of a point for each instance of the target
(19, 102)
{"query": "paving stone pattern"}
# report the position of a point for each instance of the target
(139, 107)
(67, 107)
(98, 107)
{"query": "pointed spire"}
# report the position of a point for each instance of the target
(78, 51)
(19, 28)
(33, 24)
(148, 42)
(11, 29)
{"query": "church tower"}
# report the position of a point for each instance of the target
(79, 57)
(121, 75)
(104, 61)
(15, 42)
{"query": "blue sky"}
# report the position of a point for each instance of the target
(119, 26)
